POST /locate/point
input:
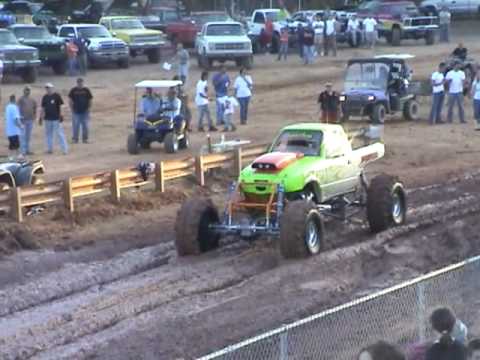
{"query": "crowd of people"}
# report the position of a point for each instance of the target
(451, 343)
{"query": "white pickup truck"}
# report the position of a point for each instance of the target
(257, 23)
(223, 41)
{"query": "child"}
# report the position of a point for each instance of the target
(229, 103)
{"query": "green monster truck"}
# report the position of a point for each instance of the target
(310, 172)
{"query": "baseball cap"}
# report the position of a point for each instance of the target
(49, 85)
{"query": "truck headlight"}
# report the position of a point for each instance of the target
(94, 47)
(342, 98)
(371, 98)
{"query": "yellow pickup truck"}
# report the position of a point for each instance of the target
(139, 39)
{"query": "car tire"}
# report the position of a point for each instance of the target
(193, 235)
(171, 143)
(132, 144)
(410, 110)
(184, 142)
(379, 112)
(396, 36)
(123, 63)
(301, 230)
(29, 75)
(60, 67)
(430, 37)
(386, 203)
(154, 56)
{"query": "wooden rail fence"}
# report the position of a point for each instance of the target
(15, 201)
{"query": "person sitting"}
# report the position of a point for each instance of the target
(460, 52)
(150, 103)
(171, 107)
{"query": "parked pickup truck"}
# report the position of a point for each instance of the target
(139, 39)
(258, 20)
(17, 58)
(51, 48)
(456, 7)
(222, 41)
(102, 46)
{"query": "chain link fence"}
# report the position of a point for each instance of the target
(399, 315)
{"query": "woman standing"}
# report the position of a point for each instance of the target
(243, 91)
(476, 99)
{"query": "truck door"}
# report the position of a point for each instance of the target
(258, 22)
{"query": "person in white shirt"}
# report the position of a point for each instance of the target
(330, 35)
(353, 26)
(370, 27)
(455, 79)
(438, 95)
(475, 93)
(243, 86)
(201, 100)
(229, 103)
(13, 125)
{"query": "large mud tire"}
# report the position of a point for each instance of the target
(386, 203)
(299, 220)
(411, 110)
(192, 233)
(29, 75)
(154, 56)
(171, 143)
(430, 37)
(132, 144)
(396, 36)
(379, 113)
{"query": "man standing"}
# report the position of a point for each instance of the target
(300, 39)
(52, 114)
(183, 59)
(438, 95)
(80, 101)
(455, 79)
(370, 26)
(243, 86)
(81, 44)
(330, 36)
(444, 21)
(308, 44)
(283, 51)
(201, 100)
(72, 54)
(221, 82)
(28, 114)
(13, 125)
(328, 101)
(353, 26)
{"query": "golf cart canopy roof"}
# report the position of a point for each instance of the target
(157, 84)
(395, 56)
(384, 59)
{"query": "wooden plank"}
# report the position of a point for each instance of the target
(215, 158)
(128, 185)
(77, 184)
(237, 165)
(178, 165)
(115, 186)
(178, 174)
(49, 188)
(160, 177)
(87, 191)
(199, 171)
(17, 204)
(41, 199)
(68, 196)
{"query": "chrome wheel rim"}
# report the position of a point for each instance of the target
(397, 209)
(312, 237)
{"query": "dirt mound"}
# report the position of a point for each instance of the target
(15, 237)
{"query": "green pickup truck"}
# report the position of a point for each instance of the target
(51, 48)
(18, 59)
(139, 39)
(309, 173)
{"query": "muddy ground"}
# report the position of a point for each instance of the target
(106, 282)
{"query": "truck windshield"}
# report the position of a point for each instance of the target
(224, 30)
(32, 33)
(94, 32)
(127, 24)
(367, 76)
(7, 38)
(201, 19)
(299, 141)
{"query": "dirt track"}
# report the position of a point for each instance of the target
(109, 285)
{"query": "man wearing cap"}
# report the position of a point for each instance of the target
(80, 101)
(328, 101)
(51, 113)
(28, 114)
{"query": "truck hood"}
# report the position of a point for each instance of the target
(137, 32)
(16, 48)
(39, 42)
(379, 94)
(275, 161)
(228, 39)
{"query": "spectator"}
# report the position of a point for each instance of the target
(185, 110)
(183, 59)
(474, 349)
(476, 99)
(381, 351)
(455, 79)
(221, 82)
(268, 33)
(444, 21)
(328, 101)
(319, 25)
(172, 105)
(72, 53)
(460, 332)
(81, 44)
(330, 36)
(201, 100)
(447, 347)
(229, 103)
(370, 27)
(80, 101)
(438, 95)
(151, 103)
(283, 51)
(243, 86)
(300, 39)
(28, 114)
(460, 52)
(13, 125)
(353, 26)
(308, 45)
(52, 114)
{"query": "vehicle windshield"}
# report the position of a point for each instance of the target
(201, 19)
(272, 15)
(367, 76)
(94, 32)
(299, 141)
(224, 30)
(367, 5)
(7, 38)
(127, 24)
(35, 33)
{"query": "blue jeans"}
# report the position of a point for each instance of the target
(444, 33)
(203, 110)
(72, 66)
(27, 135)
(220, 111)
(53, 127)
(80, 121)
(283, 51)
(183, 72)
(228, 124)
(476, 110)
(308, 54)
(437, 105)
(452, 100)
(244, 101)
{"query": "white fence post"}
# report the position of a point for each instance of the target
(421, 308)
(284, 344)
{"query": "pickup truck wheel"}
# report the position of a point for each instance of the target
(171, 143)
(386, 203)
(154, 56)
(132, 144)
(192, 227)
(301, 230)
(396, 36)
(378, 114)
(410, 110)
(430, 38)
(124, 63)
(60, 67)
(29, 75)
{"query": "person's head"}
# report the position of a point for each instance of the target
(12, 99)
(460, 45)
(443, 321)
(354, 16)
(243, 71)
(457, 66)
(80, 82)
(49, 88)
(329, 87)
(172, 93)
(204, 75)
(179, 46)
(223, 69)
(381, 351)
(149, 92)
(26, 91)
(441, 67)
(474, 349)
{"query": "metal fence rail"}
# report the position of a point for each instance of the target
(399, 314)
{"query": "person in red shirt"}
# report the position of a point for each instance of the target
(328, 101)
(72, 53)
